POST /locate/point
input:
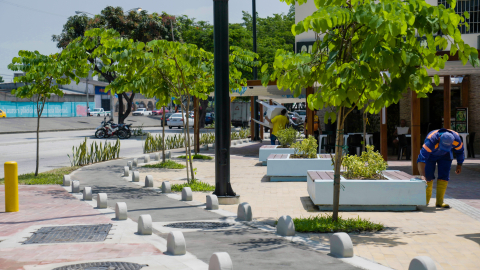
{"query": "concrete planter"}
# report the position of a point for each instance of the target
(283, 168)
(398, 193)
(267, 150)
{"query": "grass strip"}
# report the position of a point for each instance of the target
(169, 164)
(52, 177)
(325, 224)
(197, 156)
(195, 185)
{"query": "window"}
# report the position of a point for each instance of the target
(472, 7)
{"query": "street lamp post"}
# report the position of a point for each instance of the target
(223, 188)
(255, 103)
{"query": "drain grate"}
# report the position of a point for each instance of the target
(102, 266)
(69, 234)
(198, 225)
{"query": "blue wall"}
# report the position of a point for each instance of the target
(52, 109)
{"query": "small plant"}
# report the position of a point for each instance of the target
(306, 148)
(367, 166)
(325, 224)
(197, 156)
(138, 131)
(195, 185)
(169, 164)
(84, 155)
(286, 137)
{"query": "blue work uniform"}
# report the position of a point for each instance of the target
(431, 154)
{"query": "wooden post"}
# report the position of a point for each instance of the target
(310, 113)
(270, 102)
(447, 113)
(465, 90)
(383, 134)
(415, 130)
(196, 125)
(262, 128)
(252, 116)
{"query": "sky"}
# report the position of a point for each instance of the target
(30, 24)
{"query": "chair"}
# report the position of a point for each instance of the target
(470, 148)
(330, 145)
(403, 145)
(354, 143)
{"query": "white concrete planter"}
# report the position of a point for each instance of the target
(395, 194)
(295, 169)
(267, 150)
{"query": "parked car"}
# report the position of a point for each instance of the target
(295, 117)
(302, 114)
(176, 120)
(142, 111)
(167, 115)
(159, 112)
(99, 112)
(209, 118)
(3, 114)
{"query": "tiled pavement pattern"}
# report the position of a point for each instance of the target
(449, 236)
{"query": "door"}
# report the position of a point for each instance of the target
(106, 104)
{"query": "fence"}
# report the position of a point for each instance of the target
(52, 109)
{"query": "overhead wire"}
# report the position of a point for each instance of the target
(32, 9)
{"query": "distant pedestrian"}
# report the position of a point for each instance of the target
(317, 129)
(279, 122)
(88, 111)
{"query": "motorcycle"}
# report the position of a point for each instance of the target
(108, 129)
(294, 125)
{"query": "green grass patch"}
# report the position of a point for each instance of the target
(169, 164)
(198, 156)
(325, 224)
(195, 185)
(52, 177)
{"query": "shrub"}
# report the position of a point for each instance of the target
(306, 148)
(195, 185)
(97, 153)
(197, 156)
(169, 164)
(286, 137)
(52, 177)
(367, 166)
(325, 224)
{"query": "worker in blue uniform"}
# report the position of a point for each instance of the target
(438, 149)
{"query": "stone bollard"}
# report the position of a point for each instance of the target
(187, 194)
(135, 162)
(148, 181)
(66, 180)
(146, 159)
(220, 261)
(145, 225)
(130, 165)
(234, 143)
(176, 243)
(102, 200)
(75, 186)
(285, 226)
(168, 154)
(213, 146)
(341, 245)
(126, 171)
(157, 156)
(87, 193)
(422, 263)
(244, 212)
(121, 211)
(136, 176)
(212, 202)
(166, 187)
(240, 142)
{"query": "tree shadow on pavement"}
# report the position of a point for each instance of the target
(475, 237)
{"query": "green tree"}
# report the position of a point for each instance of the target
(1, 79)
(360, 40)
(43, 75)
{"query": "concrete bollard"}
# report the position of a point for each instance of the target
(148, 181)
(145, 225)
(166, 187)
(126, 171)
(66, 180)
(130, 165)
(176, 243)
(102, 200)
(87, 194)
(240, 141)
(234, 143)
(168, 154)
(187, 194)
(285, 226)
(422, 263)
(135, 176)
(121, 211)
(135, 162)
(244, 212)
(212, 202)
(146, 159)
(341, 245)
(220, 261)
(213, 146)
(75, 186)
(157, 156)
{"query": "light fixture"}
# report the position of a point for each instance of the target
(134, 9)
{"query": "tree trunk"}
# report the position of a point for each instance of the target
(203, 112)
(39, 114)
(338, 163)
(122, 116)
(189, 154)
(186, 145)
(120, 108)
(364, 129)
(163, 134)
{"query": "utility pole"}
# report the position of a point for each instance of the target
(256, 110)
(223, 188)
(86, 90)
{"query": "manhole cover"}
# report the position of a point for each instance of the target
(102, 266)
(199, 225)
(69, 234)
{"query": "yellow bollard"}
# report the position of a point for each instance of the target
(11, 186)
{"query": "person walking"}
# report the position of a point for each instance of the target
(279, 122)
(438, 150)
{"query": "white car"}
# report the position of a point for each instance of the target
(142, 111)
(176, 120)
(302, 114)
(99, 112)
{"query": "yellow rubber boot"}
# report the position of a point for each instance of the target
(441, 188)
(429, 190)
